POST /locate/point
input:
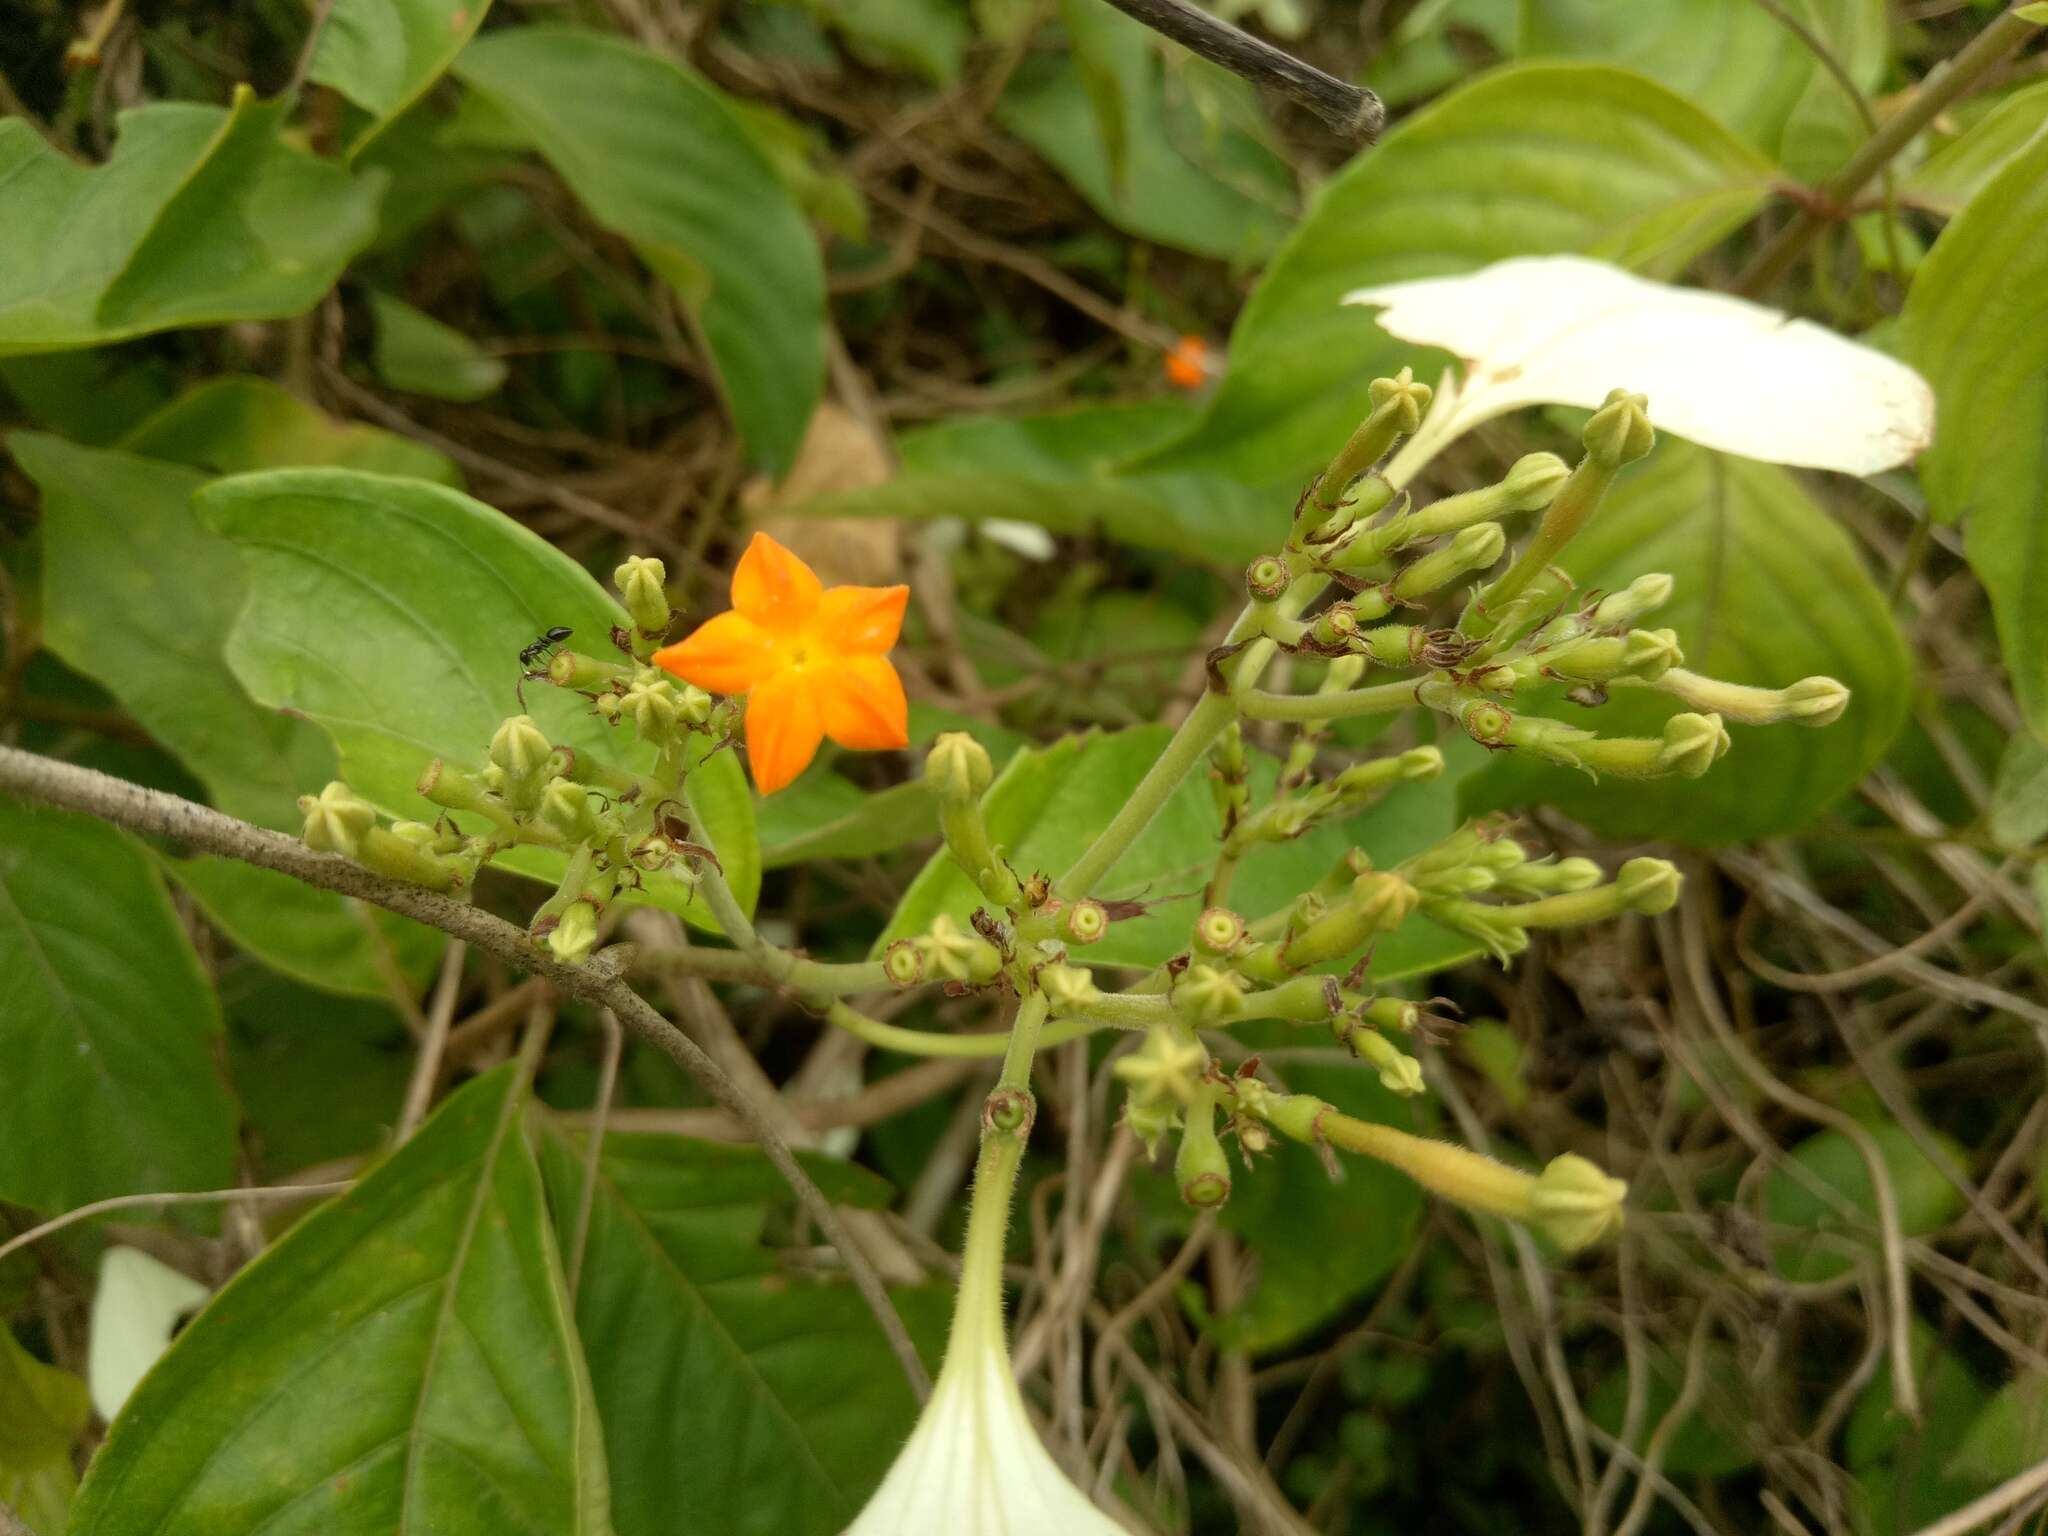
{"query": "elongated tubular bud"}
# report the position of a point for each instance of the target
(1470, 549)
(1397, 408)
(1812, 701)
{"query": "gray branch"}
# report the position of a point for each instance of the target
(72, 788)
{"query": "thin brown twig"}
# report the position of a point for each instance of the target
(73, 788)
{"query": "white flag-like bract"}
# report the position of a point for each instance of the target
(1719, 371)
(974, 1466)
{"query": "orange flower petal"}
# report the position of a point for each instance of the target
(782, 728)
(773, 587)
(728, 654)
(863, 621)
(861, 704)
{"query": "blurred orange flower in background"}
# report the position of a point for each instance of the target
(812, 662)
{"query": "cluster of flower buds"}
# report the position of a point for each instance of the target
(613, 826)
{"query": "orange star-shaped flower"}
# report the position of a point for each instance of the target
(812, 663)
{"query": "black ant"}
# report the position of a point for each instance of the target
(541, 649)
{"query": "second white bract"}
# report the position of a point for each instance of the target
(1720, 371)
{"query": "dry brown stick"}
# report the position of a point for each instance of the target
(149, 810)
(426, 1072)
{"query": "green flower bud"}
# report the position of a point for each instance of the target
(651, 706)
(1401, 400)
(519, 748)
(1376, 903)
(1266, 579)
(1547, 878)
(449, 787)
(640, 581)
(1201, 1166)
(1218, 931)
(586, 674)
(954, 954)
(1644, 595)
(574, 934)
(1399, 1072)
(1813, 701)
(1167, 1068)
(1648, 886)
(1297, 1116)
(413, 859)
(958, 767)
(1574, 1203)
(336, 819)
(1533, 481)
(1069, 988)
(1691, 744)
(1150, 1120)
(693, 705)
(566, 807)
(1619, 432)
(1398, 406)
(1084, 922)
(1206, 995)
(1470, 549)
(1641, 653)
(903, 963)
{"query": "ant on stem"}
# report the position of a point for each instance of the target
(536, 653)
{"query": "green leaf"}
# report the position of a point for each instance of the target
(822, 816)
(391, 613)
(1821, 1206)
(141, 598)
(1708, 1441)
(1170, 155)
(384, 54)
(202, 216)
(316, 936)
(1049, 803)
(2019, 799)
(107, 1023)
(924, 37)
(2008, 1436)
(1902, 1477)
(235, 423)
(1529, 160)
(43, 1411)
(403, 1359)
(1947, 179)
(1769, 590)
(1059, 472)
(739, 1399)
(655, 155)
(417, 353)
(1976, 324)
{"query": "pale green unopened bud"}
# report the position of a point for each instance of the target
(574, 934)
(640, 581)
(958, 767)
(693, 705)
(1641, 653)
(1167, 1068)
(651, 706)
(1620, 432)
(336, 819)
(1644, 595)
(1692, 743)
(1377, 902)
(1084, 922)
(413, 859)
(1218, 930)
(1813, 701)
(1399, 1072)
(1398, 405)
(1069, 988)
(1150, 1120)
(1545, 878)
(566, 807)
(586, 674)
(954, 954)
(520, 749)
(1575, 1203)
(450, 787)
(1201, 1167)
(1208, 994)
(1470, 549)
(1648, 886)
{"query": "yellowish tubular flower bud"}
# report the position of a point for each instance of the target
(1470, 549)
(452, 789)
(1648, 886)
(566, 807)
(586, 674)
(1167, 1068)
(574, 934)
(1641, 597)
(1645, 654)
(1399, 1072)
(958, 767)
(1548, 878)
(1530, 485)
(951, 953)
(1813, 701)
(336, 819)
(522, 753)
(1068, 988)
(1201, 1167)
(1207, 995)
(640, 582)
(958, 770)
(651, 705)
(1378, 902)
(401, 858)
(1575, 1204)
(1398, 405)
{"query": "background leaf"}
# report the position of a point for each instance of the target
(1528, 160)
(416, 352)
(1947, 179)
(108, 1016)
(42, 1412)
(655, 155)
(737, 1397)
(1834, 1206)
(391, 612)
(1769, 590)
(201, 216)
(384, 54)
(236, 422)
(1976, 323)
(402, 1359)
